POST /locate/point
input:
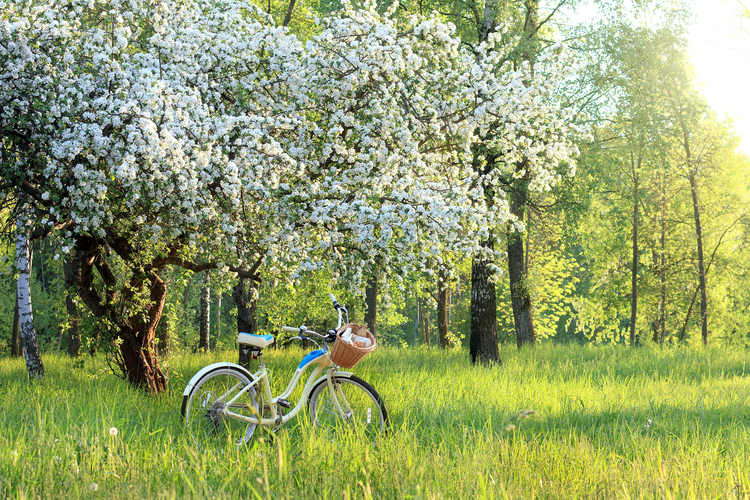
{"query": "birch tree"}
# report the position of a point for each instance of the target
(34, 365)
(204, 335)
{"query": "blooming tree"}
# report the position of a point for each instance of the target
(184, 132)
(395, 110)
(130, 128)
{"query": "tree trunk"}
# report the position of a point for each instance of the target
(691, 171)
(655, 321)
(663, 267)
(15, 344)
(424, 323)
(517, 273)
(74, 335)
(634, 270)
(288, 15)
(60, 331)
(530, 30)
(416, 324)
(483, 340)
(139, 360)
(186, 296)
(701, 261)
(138, 348)
(162, 339)
(519, 198)
(683, 330)
(205, 315)
(74, 340)
(483, 336)
(442, 314)
(217, 328)
(27, 333)
(371, 304)
(41, 267)
(96, 336)
(489, 19)
(246, 318)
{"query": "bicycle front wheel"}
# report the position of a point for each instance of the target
(204, 410)
(354, 404)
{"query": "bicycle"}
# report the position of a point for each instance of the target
(224, 401)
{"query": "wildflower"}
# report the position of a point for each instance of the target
(113, 431)
(94, 487)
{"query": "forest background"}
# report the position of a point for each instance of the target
(646, 243)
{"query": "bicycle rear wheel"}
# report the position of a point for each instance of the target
(362, 410)
(203, 410)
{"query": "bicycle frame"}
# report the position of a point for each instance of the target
(317, 358)
(261, 382)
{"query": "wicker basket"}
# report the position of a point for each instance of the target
(347, 355)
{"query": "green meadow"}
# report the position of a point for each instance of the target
(551, 422)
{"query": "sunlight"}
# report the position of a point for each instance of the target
(720, 51)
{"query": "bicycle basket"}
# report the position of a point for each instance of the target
(347, 355)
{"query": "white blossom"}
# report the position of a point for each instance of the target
(227, 133)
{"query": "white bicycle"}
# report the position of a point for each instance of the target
(224, 402)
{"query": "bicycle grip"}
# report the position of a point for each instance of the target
(290, 329)
(333, 297)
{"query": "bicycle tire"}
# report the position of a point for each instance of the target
(207, 426)
(366, 413)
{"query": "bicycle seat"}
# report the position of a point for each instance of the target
(257, 341)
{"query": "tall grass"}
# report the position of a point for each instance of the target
(552, 422)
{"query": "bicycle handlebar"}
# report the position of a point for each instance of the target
(302, 330)
(336, 304)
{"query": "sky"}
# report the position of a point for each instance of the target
(720, 52)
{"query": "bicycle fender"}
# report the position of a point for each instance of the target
(335, 374)
(208, 369)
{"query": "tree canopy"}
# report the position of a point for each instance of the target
(190, 133)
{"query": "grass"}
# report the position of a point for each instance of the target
(552, 422)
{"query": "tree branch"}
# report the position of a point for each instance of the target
(196, 268)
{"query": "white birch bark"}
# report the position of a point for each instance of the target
(489, 22)
(34, 364)
(205, 315)
(217, 327)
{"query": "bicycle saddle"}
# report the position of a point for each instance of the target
(257, 341)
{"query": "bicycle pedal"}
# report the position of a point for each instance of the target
(284, 403)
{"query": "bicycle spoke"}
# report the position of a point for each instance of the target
(360, 409)
(222, 398)
(206, 414)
